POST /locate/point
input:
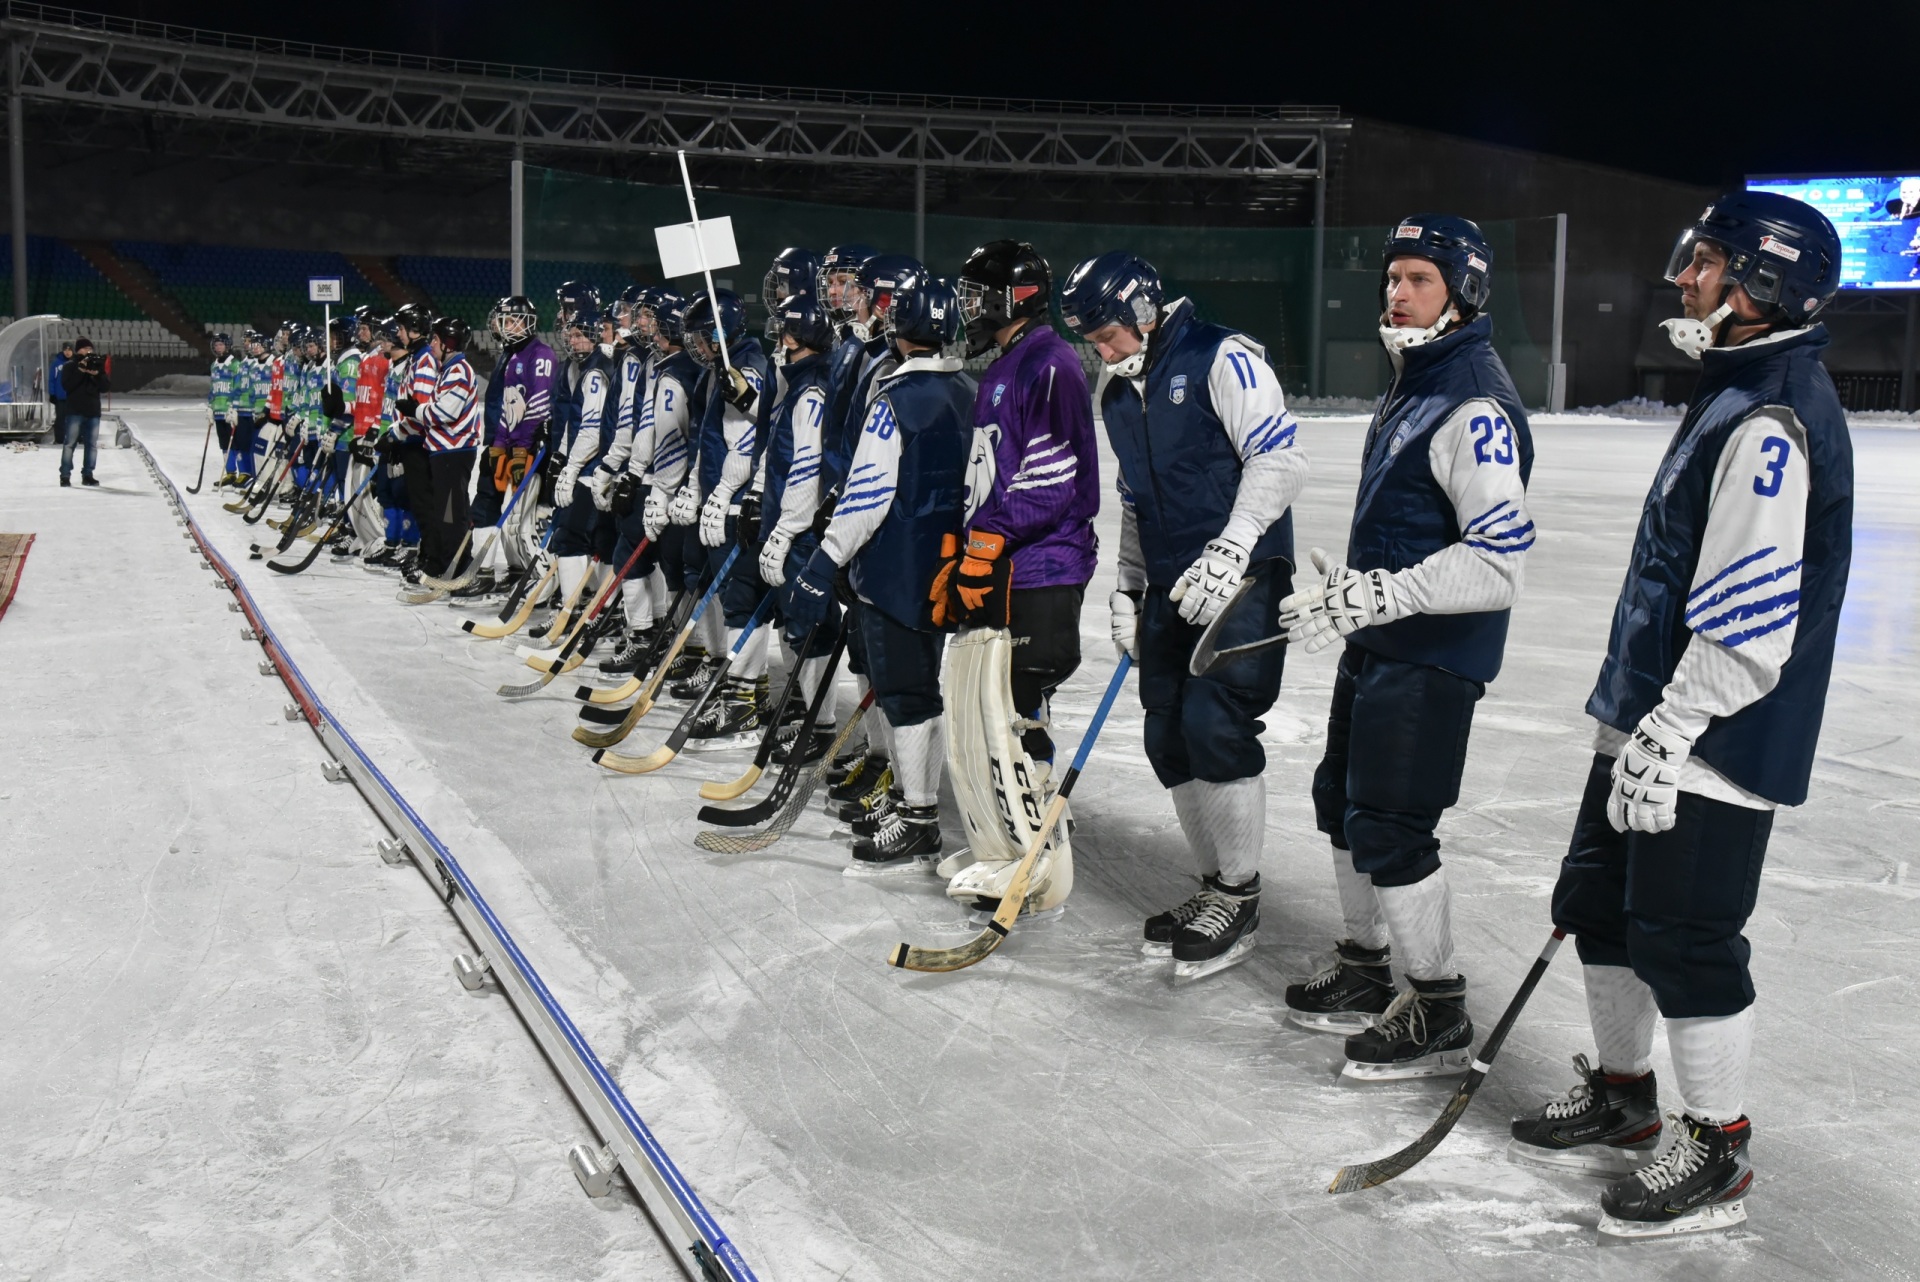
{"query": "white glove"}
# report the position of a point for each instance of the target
(1126, 620)
(1343, 602)
(600, 486)
(1646, 777)
(654, 514)
(513, 407)
(773, 558)
(685, 508)
(209, 416)
(1209, 583)
(713, 519)
(564, 485)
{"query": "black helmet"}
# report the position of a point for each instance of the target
(452, 332)
(514, 319)
(412, 318)
(1003, 281)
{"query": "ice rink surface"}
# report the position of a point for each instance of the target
(1062, 1111)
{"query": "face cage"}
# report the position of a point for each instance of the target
(513, 327)
(843, 310)
(698, 343)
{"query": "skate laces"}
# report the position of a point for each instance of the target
(1214, 915)
(1407, 1014)
(1687, 1155)
(1577, 1100)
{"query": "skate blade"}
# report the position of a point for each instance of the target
(1588, 1159)
(1344, 1022)
(1705, 1220)
(1186, 972)
(909, 867)
(721, 743)
(1442, 1064)
(1155, 950)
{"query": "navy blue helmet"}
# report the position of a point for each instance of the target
(909, 302)
(223, 339)
(841, 260)
(799, 315)
(700, 321)
(584, 316)
(669, 311)
(1783, 250)
(573, 296)
(626, 308)
(1118, 287)
(794, 271)
(345, 328)
(1455, 246)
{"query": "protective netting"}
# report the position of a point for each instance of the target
(1259, 280)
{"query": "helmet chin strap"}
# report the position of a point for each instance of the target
(1400, 338)
(1693, 337)
(1130, 367)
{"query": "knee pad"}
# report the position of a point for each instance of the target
(1392, 848)
(1222, 737)
(1694, 967)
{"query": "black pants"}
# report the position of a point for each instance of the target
(223, 430)
(1396, 747)
(412, 457)
(1671, 904)
(1209, 727)
(450, 473)
(1045, 623)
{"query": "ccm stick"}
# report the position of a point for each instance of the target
(908, 957)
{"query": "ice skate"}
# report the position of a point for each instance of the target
(732, 718)
(809, 749)
(907, 841)
(872, 789)
(1698, 1184)
(846, 768)
(865, 825)
(1424, 1033)
(1604, 1126)
(627, 658)
(688, 688)
(1221, 934)
(1349, 995)
(1162, 927)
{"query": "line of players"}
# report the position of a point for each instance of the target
(863, 475)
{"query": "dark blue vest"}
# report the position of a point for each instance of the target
(745, 354)
(682, 369)
(1767, 747)
(848, 376)
(609, 406)
(933, 412)
(1176, 458)
(808, 372)
(1402, 515)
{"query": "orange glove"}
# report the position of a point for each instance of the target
(982, 585)
(943, 615)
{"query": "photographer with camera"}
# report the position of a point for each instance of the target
(84, 380)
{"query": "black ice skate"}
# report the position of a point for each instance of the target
(908, 841)
(1162, 927)
(627, 658)
(1699, 1183)
(809, 750)
(1605, 1125)
(687, 688)
(850, 777)
(873, 790)
(868, 824)
(482, 586)
(1349, 996)
(1221, 934)
(1425, 1033)
(732, 717)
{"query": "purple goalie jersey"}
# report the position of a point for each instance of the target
(531, 370)
(1034, 475)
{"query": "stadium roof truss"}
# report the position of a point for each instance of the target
(87, 60)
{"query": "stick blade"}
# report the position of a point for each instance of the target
(521, 692)
(940, 960)
(728, 791)
(646, 765)
(611, 694)
(595, 715)
(1366, 1175)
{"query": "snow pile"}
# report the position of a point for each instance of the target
(177, 385)
(1331, 404)
(1632, 407)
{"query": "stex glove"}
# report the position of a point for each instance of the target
(1646, 777)
(713, 519)
(600, 486)
(1126, 621)
(773, 557)
(734, 389)
(685, 508)
(746, 526)
(654, 514)
(1210, 582)
(1341, 603)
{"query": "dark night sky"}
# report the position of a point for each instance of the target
(1759, 87)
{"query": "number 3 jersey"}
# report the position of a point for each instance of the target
(1443, 504)
(1731, 603)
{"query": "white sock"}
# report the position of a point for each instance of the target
(1233, 817)
(919, 751)
(752, 663)
(1622, 1011)
(713, 628)
(572, 570)
(1186, 805)
(638, 604)
(811, 671)
(1359, 904)
(1421, 920)
(1710, 1056)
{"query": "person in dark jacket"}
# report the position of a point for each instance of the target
(84, 380)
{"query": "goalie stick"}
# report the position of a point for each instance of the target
(666, 752)
(747, 816)
(201, 475)
(716, 791)
(579, 642)
(339, 521)
(1366, 1175)
(908, 957)
(630, 716)
(741, 843)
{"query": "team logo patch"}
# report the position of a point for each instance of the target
(1000, 389)
(1401, 434)
(1408, 231)
(1177, 390)
(1774, 245)
(1476, 262)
